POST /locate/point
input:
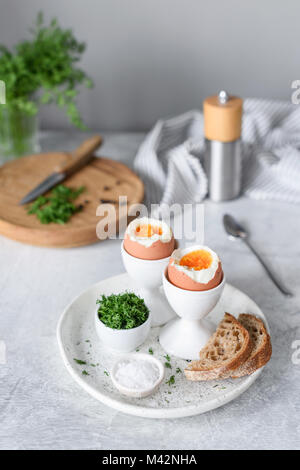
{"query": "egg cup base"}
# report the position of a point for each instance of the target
(185, 338)
(156, 301)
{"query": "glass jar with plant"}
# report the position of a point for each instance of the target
(37, 71)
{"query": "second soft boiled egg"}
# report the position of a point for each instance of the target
(148, 238)
(195, 268)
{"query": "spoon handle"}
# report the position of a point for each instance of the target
(270, 272)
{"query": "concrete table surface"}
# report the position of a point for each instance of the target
(41, 407)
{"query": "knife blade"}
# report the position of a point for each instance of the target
(43, 187)
(80, 157)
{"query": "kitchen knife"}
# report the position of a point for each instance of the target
(80, 157)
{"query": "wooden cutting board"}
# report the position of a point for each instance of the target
(104, 180)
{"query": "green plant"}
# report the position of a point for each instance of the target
(122, 311)
(47, 63)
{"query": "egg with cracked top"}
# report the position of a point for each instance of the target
(196, 268)
(149, 239)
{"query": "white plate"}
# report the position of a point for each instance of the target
(77, 339)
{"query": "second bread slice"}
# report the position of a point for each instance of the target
(262, 347)
(227, 349)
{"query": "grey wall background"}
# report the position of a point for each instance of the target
(154, 58)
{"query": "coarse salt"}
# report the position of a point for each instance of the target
(137, 374)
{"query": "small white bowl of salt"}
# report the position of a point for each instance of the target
(137, 374)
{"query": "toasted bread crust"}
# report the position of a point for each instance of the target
(197, 372)
(261, 356)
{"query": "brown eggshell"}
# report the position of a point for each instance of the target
(157, 250)
(182, 280)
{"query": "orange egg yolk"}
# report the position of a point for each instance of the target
(147, 230)
(199, 259)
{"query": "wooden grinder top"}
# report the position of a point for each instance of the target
(223, 120)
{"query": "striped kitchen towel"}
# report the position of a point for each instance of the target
(170, 160)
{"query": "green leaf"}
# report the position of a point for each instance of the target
(171, 380)
(79, 361)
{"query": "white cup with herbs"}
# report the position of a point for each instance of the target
(122, 321)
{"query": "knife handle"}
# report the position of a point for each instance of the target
(81, 156)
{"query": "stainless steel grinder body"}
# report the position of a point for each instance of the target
(223, 169)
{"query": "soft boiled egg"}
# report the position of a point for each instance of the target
(195, 268)
(147, 238)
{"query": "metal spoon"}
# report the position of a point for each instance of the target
(235, 230)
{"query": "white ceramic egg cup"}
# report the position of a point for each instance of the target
(185, 336)
(148, 276)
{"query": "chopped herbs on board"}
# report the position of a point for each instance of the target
(57, 208)
(122, 311)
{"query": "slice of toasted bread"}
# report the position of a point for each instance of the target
(226, 350)
(262, 347)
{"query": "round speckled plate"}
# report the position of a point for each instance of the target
(77, 339)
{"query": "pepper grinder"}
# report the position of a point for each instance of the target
(222, 129)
